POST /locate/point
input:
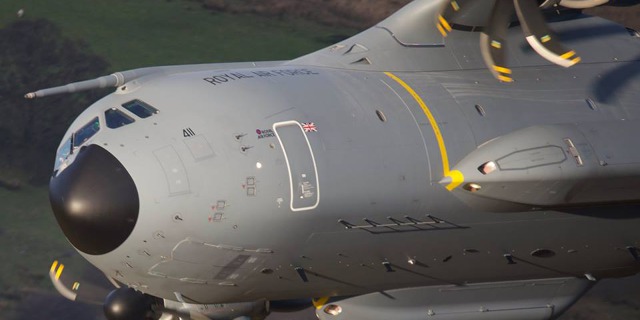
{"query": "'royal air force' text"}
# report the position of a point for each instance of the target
(235, 76)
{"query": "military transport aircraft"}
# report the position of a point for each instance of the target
(404, 173)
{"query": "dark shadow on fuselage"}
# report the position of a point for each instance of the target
(610, 84)
(570, 36)
(623, 211)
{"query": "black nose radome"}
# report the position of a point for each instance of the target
(95, 201)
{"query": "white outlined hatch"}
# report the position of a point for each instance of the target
(303, 172)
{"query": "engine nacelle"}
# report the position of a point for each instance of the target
(256, 310)
(553, 166)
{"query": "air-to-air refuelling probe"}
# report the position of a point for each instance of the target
(389, 176)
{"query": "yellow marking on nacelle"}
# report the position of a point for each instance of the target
(319, 302)
(496, 44)
(546, 38)
(456, 176)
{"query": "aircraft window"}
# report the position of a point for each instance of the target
(85, 133)
(63, 153)
(116, 118)
(140, 108)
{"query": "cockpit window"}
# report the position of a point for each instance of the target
(116, 118)
(140, 108)
(86, 132)
(63, 153)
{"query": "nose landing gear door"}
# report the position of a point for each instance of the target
(303, 172)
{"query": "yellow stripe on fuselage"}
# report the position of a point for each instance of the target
(456, 176)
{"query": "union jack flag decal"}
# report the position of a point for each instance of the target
(309, 127)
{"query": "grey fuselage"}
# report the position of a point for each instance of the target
(254, 178)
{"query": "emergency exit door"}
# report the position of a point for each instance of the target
(301, 164)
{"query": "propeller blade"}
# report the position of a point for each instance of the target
(80, 290)
(546, 4)
(449, 9)
(582, 4)
(465, 15)
(492, 40)
(540, 37)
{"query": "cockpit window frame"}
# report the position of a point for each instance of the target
(64, 152)
(75, 142)
(143, 111)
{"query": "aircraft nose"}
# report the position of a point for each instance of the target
(95, 201)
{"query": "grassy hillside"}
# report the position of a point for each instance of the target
(139, 33)
(350, 13)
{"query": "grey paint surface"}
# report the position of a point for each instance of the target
(231, 205)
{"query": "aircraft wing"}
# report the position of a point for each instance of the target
(444, 35)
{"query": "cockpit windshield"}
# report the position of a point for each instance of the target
(76, 139)
(86, 132)
(63, 153)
